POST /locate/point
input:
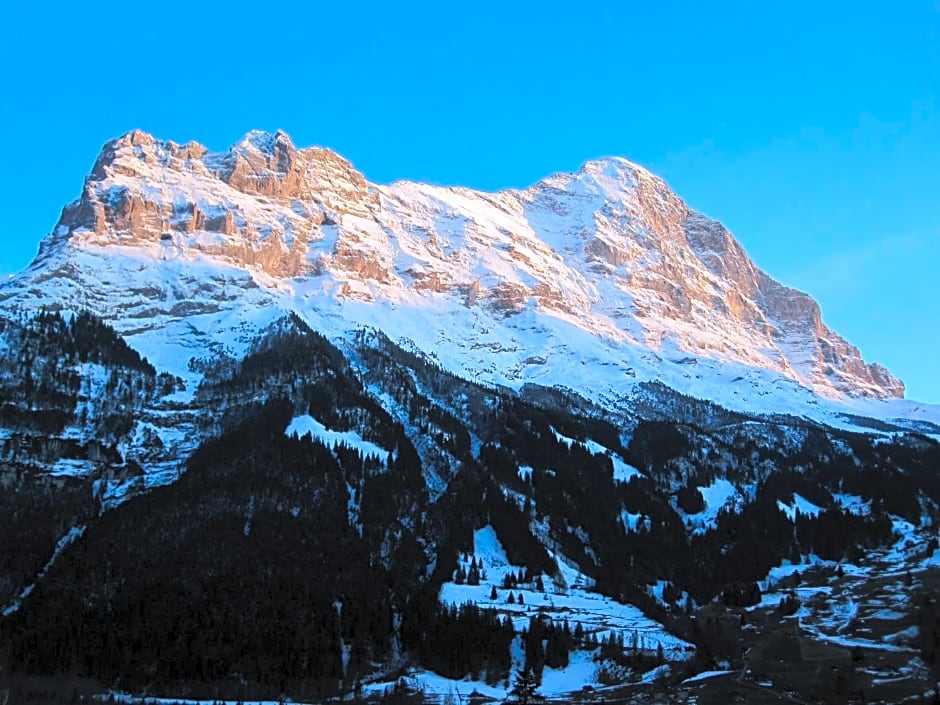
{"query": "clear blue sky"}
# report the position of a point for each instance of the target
(811, 129)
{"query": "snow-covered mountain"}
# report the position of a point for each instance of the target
(594, 281)
(268, 429)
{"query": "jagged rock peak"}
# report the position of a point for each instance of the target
(184, 200)
(274, 151)
(265, 142)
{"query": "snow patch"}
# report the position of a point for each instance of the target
(623, 472)
(300, 426)
(721, 494)
(853, 503)
(800, 505)
(70, 537)
(704, 675)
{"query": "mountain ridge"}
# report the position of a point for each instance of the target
(606, 263)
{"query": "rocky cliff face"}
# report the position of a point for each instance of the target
(593, 280)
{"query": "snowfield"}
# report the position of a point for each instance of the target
(799, 505)
(305, 425)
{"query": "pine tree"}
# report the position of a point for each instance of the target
(473, 577)
(525, 689)
(533, 642)
(578, 635)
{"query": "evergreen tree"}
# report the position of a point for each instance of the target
(473, 576)
(557, 646)
(534, 648)
(525, 689)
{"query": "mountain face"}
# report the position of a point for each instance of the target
(269, 430)
(606, 266)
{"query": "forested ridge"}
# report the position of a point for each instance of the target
(277, 564)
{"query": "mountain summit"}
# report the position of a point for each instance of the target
(595, 280)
